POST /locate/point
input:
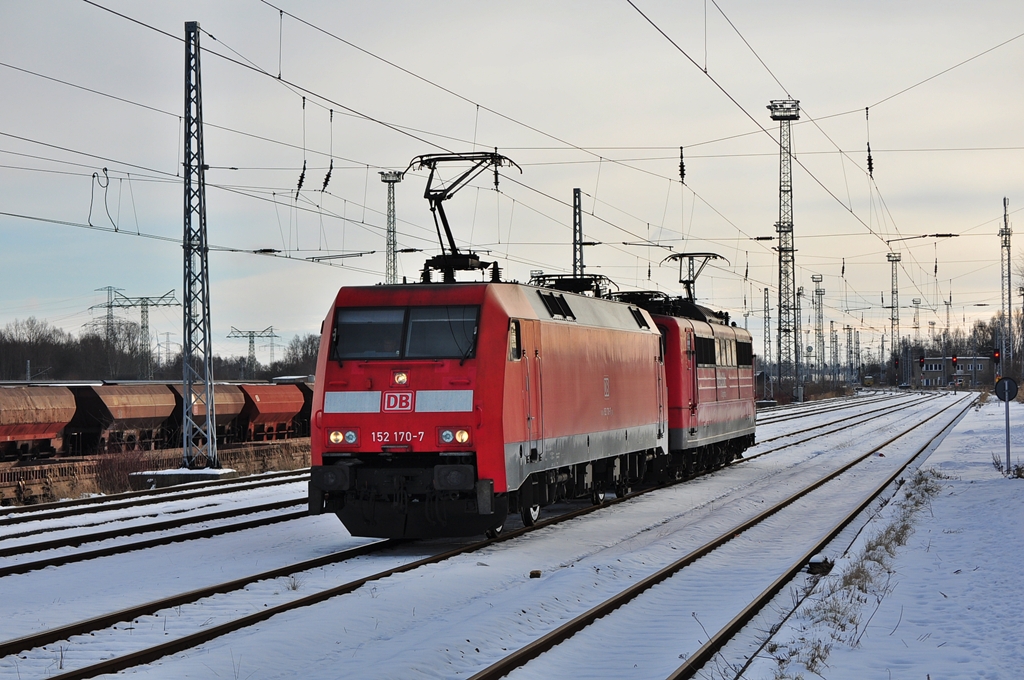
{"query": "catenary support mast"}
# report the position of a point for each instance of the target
(199, 434)
(1007, 283)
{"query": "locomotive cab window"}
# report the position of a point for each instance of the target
(515, 343)
(447, 332)
(369, 333)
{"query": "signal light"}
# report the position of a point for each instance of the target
(896, 362)
(920, 362)
(954, 361)
(995, 356)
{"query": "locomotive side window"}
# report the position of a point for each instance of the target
(369, 333)
(441, 332)
(515, 343)
(705, 351)
(744, 354)
(413, 333)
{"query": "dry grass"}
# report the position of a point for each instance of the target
(837, 613)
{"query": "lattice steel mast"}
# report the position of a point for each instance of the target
(165, 300)
(768, 391)
(819, 325)
(199, 434)
(1007, 282)
(785, 111)
(391, 177)
(577, 234)
(250, 363)
(894, 316)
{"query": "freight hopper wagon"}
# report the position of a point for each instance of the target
(440, 409)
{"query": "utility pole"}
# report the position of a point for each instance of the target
(199, 433)
(250, 364)
(165, 300)
(768, 391)
(1007, 288)
(819, 325)
(785, 111)
(390, 177)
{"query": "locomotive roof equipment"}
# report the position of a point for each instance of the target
(438, 191)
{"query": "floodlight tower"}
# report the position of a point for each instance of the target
(894, 316)
(391, 178)
(819, 325)
(1007, 303)
(199, 434)
(785, 111)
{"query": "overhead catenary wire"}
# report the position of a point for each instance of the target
(281, 15)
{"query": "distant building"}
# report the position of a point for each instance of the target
(969, 372)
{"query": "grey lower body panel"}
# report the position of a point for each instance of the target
(682, 438)
(525, 458)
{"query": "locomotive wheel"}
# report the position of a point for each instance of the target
(530, 513)
(622, 490)
(597, 496)
(495, 532)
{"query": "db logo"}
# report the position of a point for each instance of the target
(398, 401)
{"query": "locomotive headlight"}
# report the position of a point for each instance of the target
(336, 437)
(461, 436)
(401, 378)
(350, 437)
(447, 436)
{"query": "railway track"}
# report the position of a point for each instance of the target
(694, 661)
(807, 410)
(212, 632)
(860, 418)
(13, 514)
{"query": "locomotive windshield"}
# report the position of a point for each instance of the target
(412, 333)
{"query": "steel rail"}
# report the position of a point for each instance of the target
(715, 643)
(562, 633)
(833, 407)
(809, 405)
(890, 409)
(24, 567)
(120, 505)
(131, 613)
(186, 642)
(95, 500)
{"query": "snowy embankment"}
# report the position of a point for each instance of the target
(943, 603)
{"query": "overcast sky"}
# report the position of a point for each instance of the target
(579, 94)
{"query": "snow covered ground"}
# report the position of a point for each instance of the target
(950, 603)
(452, 619)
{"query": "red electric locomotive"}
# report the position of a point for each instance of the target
(438, 409)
